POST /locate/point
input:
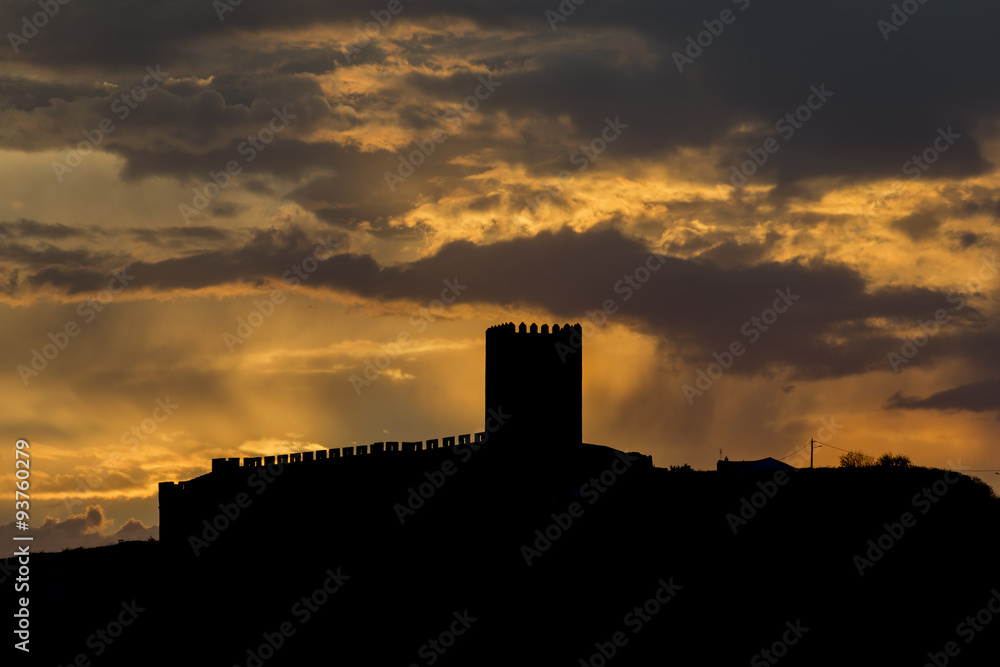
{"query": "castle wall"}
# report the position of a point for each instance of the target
(183, 505)
(316, 456)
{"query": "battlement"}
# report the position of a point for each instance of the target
(510, 329)
(535, 374)
(339, 454)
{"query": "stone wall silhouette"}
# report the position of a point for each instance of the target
(342, 453)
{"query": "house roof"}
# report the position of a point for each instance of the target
(760, 464)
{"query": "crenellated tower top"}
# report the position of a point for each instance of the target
(534, 374)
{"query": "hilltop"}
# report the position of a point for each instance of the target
(554, 566)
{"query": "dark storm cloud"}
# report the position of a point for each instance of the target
(169, 235)
(33, 229)
(890, 96)
(48, 255)
(698, 306)
(353, 190)
(10, 281)
(29, 94)
(968, 200)
(225, 210)
(168, 116)
(267, 254)
(918, 226)
(45, 256)
(41, 248)
(283, 157)
(763, 67)
(966, 240)
(731, 254)
(975, 397)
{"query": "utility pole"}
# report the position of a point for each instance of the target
(812, 441)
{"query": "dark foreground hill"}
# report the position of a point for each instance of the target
(593, 557)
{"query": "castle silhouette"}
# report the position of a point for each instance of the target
(522, 545)
(534, 400)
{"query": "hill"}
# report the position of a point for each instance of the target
(590, 557)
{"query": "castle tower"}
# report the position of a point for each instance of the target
(536, 377)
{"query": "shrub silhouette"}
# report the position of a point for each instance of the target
(890, 460)
(856, 459)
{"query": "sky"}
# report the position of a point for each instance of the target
(237, 229)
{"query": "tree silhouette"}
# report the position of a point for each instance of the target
(890, 460)
(856, 459)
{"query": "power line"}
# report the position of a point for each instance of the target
(826, 445)
(963, 470)
(795, 452)
(820, 442)
(996, 470)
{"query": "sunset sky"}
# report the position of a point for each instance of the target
(177, 175)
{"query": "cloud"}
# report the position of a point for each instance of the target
(34, 229)
(78, 530)
(918, 226)
(983, 396)
(968, 239)
(726, 102)
(697, 305)
(26, 94)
